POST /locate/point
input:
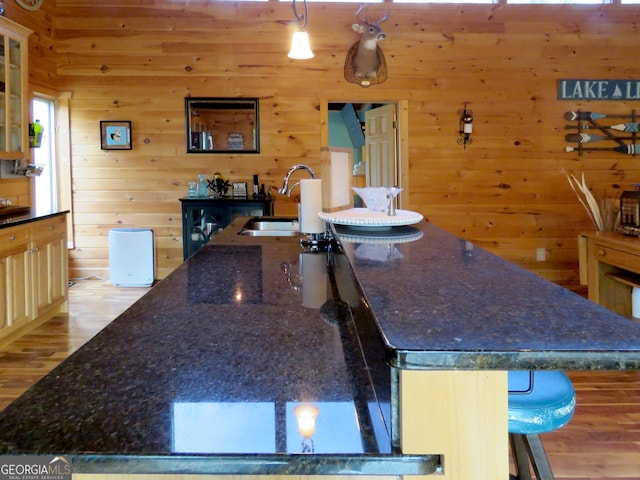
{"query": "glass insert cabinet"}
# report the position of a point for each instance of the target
(14, 107)
(222, 125)
(204, 217)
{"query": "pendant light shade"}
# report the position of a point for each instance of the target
(300, 47)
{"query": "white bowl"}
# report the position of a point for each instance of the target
(377, 198)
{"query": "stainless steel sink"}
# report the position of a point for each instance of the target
(271, 227)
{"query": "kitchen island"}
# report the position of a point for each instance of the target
(401, 340)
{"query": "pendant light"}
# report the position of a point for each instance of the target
(300, 48)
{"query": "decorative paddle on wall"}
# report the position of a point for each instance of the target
(365, 63)
(627, 144)
(628, 149)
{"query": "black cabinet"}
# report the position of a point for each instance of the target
(203, 217)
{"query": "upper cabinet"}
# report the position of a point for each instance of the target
(14, 104)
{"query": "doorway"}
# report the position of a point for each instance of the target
(377, 134)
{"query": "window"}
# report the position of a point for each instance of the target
(47, 182)
(560, 2)
(53, 186)
(445, 1)
(356, 2)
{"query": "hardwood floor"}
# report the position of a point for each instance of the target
(601, 442)
(92, 305)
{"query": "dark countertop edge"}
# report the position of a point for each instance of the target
(514, 360)
(225, 199)
(22, 219)
(257, 464)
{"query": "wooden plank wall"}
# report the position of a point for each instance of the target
(137, 61)
(17, 190)
(42, 77)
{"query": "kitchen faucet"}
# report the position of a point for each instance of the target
(285, 190)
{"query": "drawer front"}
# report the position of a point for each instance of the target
(13, 237)
(617, 258)
(49, 227)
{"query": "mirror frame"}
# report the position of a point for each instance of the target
(217, 107)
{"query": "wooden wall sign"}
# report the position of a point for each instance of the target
(609, 128)
(572, 89)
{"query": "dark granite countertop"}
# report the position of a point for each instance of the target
(203, 373)
(444, 303)
(16, 215)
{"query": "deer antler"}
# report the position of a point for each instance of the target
(384, 17)
(360, 9)
(363, 18)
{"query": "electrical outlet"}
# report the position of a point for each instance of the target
(541, 254)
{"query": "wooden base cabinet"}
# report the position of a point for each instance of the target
(461, 414)
(610, 265)
(33, 275)
(49, 264)
(16, 278)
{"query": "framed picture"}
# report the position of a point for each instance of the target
(115, 135)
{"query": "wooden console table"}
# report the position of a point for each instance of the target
(610, 266)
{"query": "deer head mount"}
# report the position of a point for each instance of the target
(365, 63)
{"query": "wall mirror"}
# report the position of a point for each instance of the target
(222, 125)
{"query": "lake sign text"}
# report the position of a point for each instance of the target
(572, 89)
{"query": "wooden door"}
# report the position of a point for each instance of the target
(49, 263)
(15, 277)
(380, 145)
(41, 275)
(18, 282)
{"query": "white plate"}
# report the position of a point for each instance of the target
(365, 218)
(399, 234)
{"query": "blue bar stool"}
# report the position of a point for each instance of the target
(540, 401)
